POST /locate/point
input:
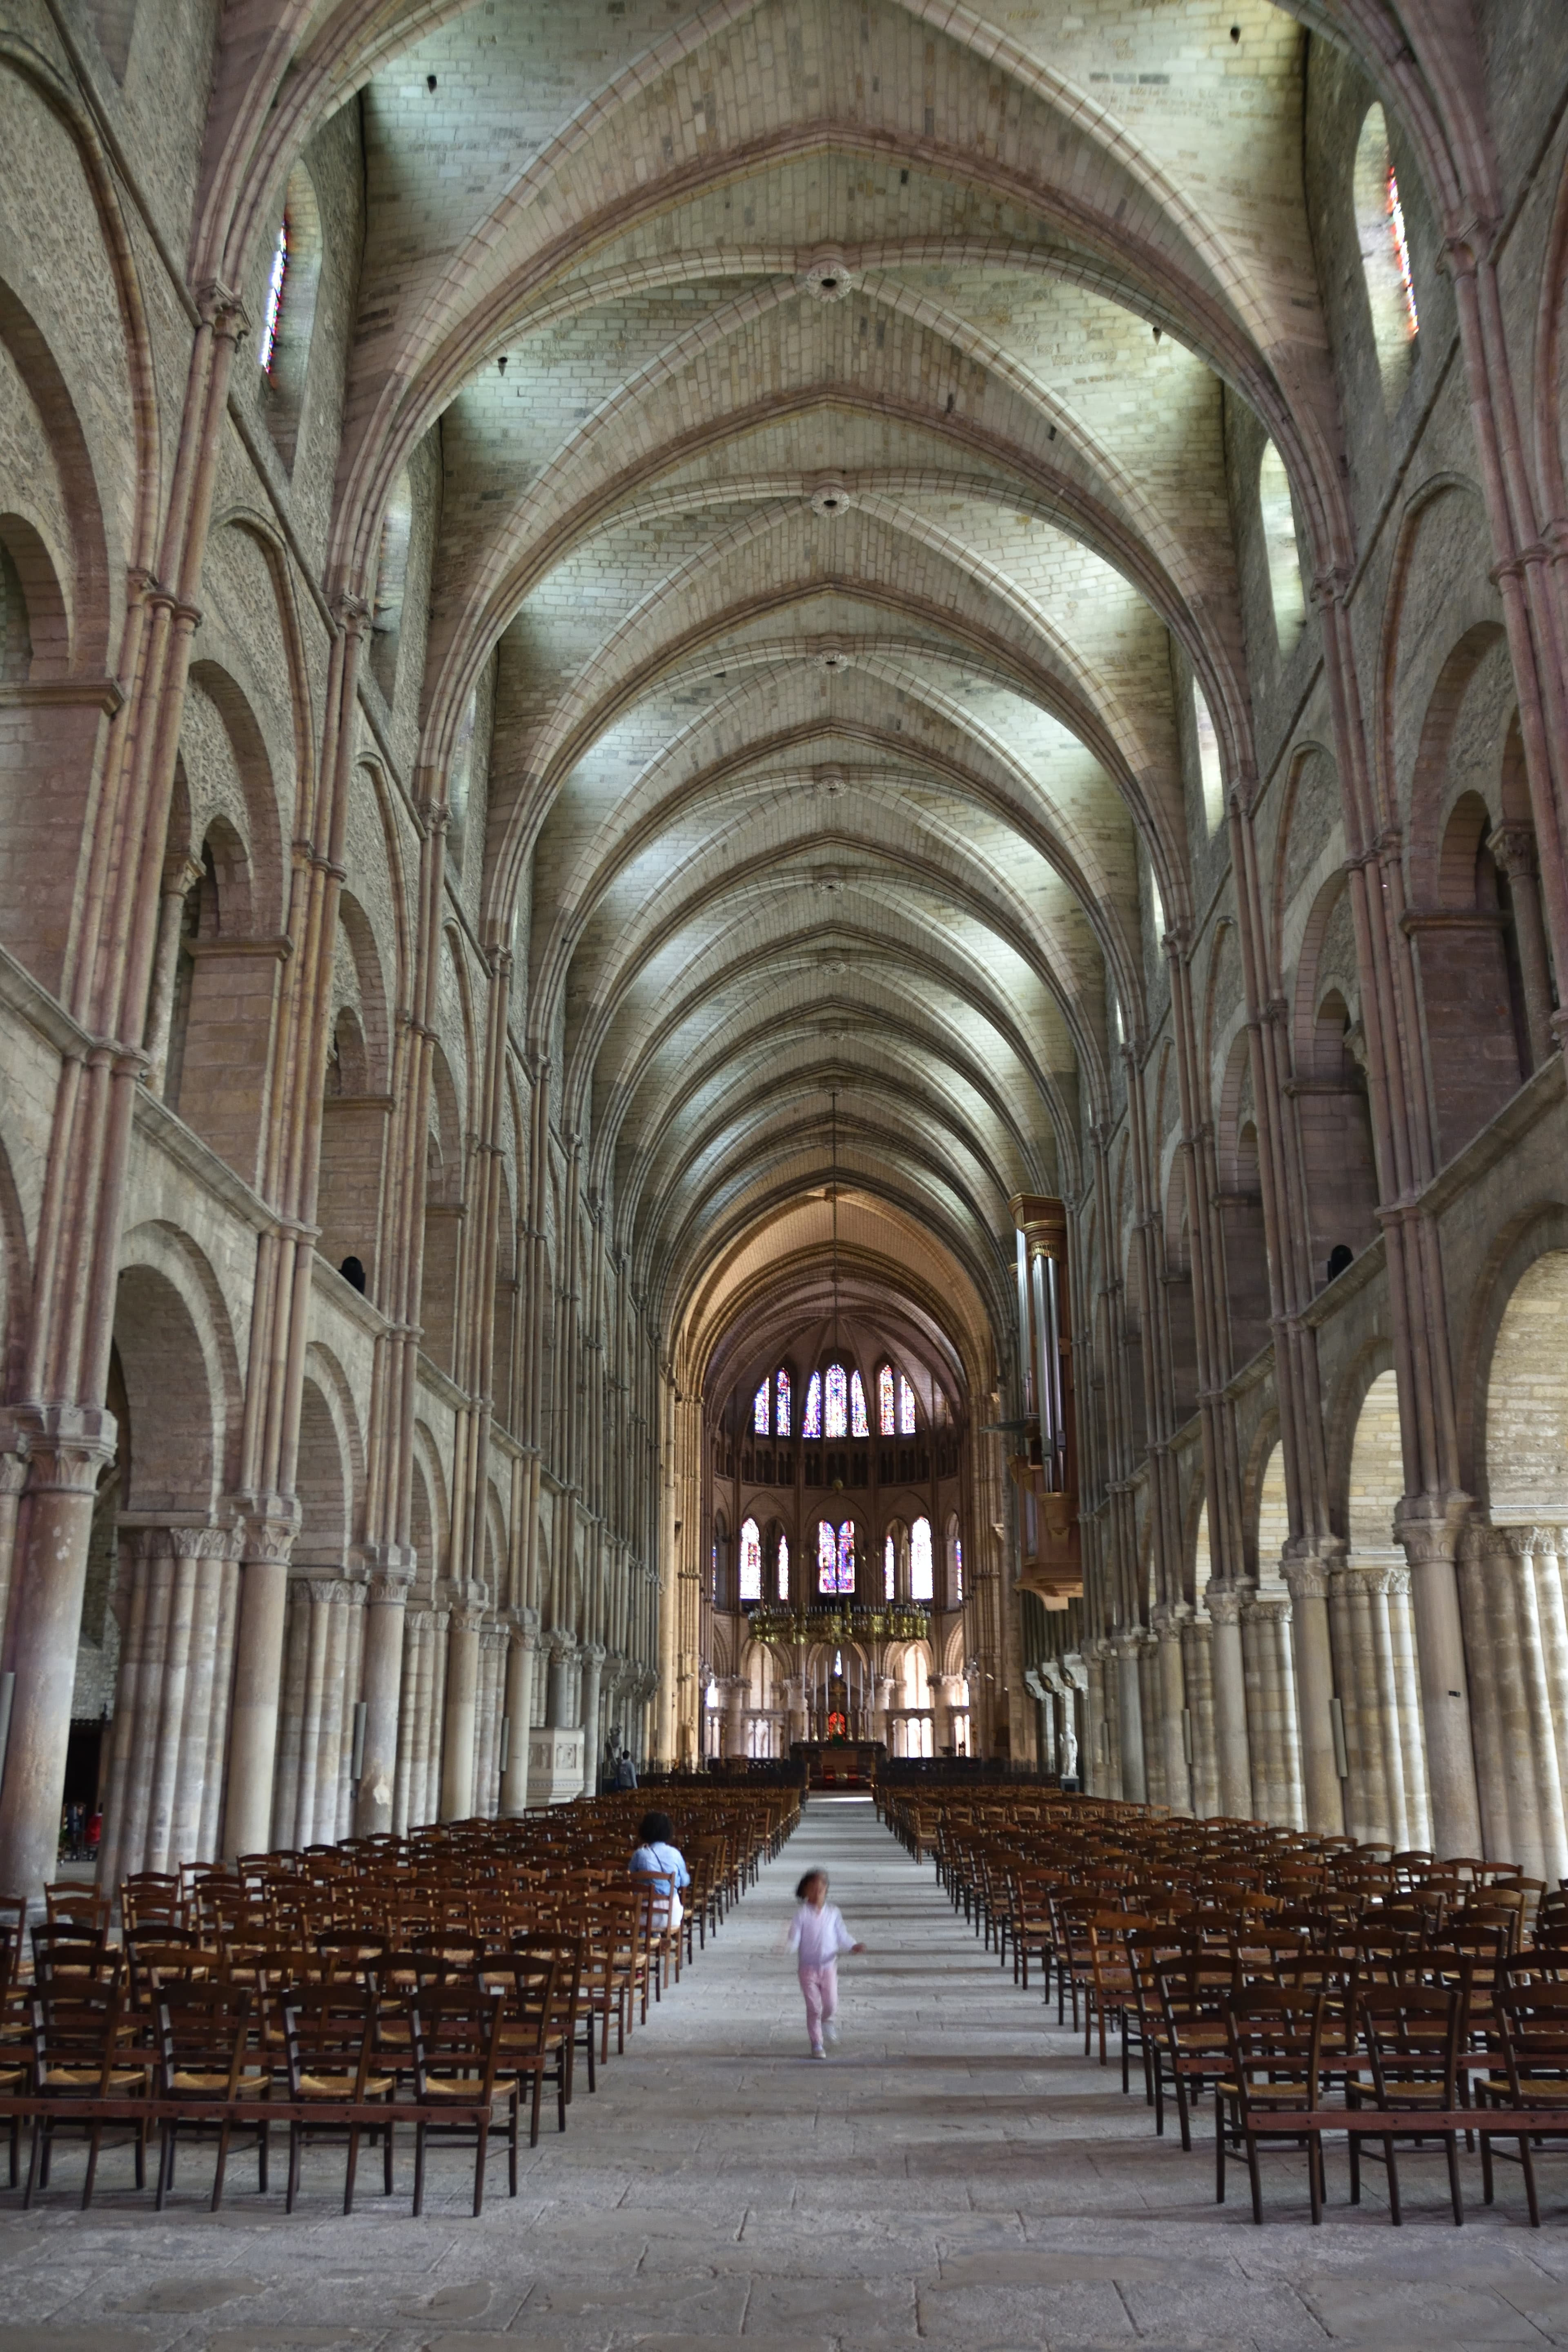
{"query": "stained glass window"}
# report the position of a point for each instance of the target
(784, 1567)
(1402, 251)
(958, 1567)
(890, 1569)
(812, 1425)
(274, 311)
(780, 1416)
(835, 1557)
(760, 1411)
(856, 1407)
(920, 1584)
(837, 1401)
(906, 1408)
(750, 1561)
(885, 1401)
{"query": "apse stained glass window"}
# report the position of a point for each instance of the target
(890, 1569)
(781, 1414)
(751, 1561)
(274, 311)
(784, 1567)
(920, 1584)
(812, 1424)
(835, 1557)
(958, 1567)
(856, 1407)
(906, 1408)
(760, 1411)
(885, 1401)
(837, 1401)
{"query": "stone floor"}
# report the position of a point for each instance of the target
(956, 2173)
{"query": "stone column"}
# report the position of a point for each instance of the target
(1514, 1600)
(593, 1654)
(342, 1817)
(176, 1614)
(1376, 1670)
(68, 1446)
(1198, 1676)
(492, 1683)
(1323, 1797)
(411, 1805)
(265, 1546)
(462, 1705)
(1232, 1760)
(734, 1688)
(1271, 1710)
(520, 1658)
(311, 1751)
(181, 874)
(559, 1713)
(1149, 1699)
(1513, 852)
(1100, 1778)
(1439, 1755)
(1130, 1711)
(386, 1598)
(13, 1479)
(1170, 1684)
(886, 1684)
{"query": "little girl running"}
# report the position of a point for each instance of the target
(818, 1935)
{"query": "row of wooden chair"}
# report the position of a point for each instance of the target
(1309, 1986)
(343, 1991)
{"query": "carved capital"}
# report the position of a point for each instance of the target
(1223, 1603)
(1268, 1609)
(1308, 1580)
(1513, 850)
(1372, 1576)
(67, 1445)
(1430, 1528)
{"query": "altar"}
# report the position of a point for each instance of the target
(838, 1763)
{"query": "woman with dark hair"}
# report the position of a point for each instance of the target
(659, 1858)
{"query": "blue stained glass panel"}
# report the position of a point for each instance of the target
(812, 1425)
(837, 1401)
(780, 1416)
(856, 1407)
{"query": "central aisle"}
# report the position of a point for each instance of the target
(954, 2174)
